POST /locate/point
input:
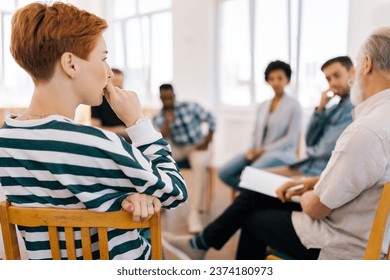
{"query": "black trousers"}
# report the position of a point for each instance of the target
(265, 221)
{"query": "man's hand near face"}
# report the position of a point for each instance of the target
(326, 96)
(169, 116)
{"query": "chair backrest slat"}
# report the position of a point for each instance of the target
(155, 236)
(70, 245)
(10, 238)
(103, 243)
(70, 219)
(54, 243)
(86, 243)
(374, 245)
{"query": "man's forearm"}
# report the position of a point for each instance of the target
(166, 129)
(210, 136)
(312, 206)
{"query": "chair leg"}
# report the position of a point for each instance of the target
(209, 190)
(210, 187)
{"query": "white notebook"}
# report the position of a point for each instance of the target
(264, 182)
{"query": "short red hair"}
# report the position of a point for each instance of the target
(41, 33)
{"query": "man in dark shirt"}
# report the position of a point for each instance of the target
(103, 116)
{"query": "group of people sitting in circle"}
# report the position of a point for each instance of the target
(131, 162)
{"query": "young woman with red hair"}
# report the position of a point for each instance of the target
(48, 160)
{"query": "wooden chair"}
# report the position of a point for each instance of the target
(185, 164)
(70, 219)
(374, 244)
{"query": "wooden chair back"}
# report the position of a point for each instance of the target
(70, 219)
(374, 245)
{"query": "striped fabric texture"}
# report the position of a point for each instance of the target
(55, 162)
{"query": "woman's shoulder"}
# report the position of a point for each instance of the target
(292, 100)
(91, 135)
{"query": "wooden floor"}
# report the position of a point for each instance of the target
(175, 220)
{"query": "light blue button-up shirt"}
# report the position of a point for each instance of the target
(328, 126)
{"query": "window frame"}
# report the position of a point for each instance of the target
(148, 95)
(295, 9)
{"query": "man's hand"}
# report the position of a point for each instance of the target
(205, 144)
(252, 155)
(125, 103)
(325, 98)
(285, 194)
(169, 116)
(142, 206)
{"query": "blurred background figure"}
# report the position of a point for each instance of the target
(103, 116)
(276, 131)
(180, 123)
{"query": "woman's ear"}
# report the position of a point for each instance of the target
(68, 64)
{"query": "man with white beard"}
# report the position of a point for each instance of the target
(339, 207)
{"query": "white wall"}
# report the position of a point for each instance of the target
(364, 17)
(193, 48)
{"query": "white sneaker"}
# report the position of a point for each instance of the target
(194, 223)
(181, 247)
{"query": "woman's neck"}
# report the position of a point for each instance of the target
(278, 95)
(48, 101)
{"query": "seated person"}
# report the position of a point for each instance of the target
(48, 160)
(103, 116)
(276, 131)
(180, 124)
(326, 123)
(338, 212)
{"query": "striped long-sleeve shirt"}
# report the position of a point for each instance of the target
(55, 162)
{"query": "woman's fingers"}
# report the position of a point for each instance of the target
(157, 204)
(125, 104)
(127, 206)
(142, 206)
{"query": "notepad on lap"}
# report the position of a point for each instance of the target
(264, 182)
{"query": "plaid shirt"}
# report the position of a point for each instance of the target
(186, 126)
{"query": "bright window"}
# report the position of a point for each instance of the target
(140, 43)
(271, 41)
(322, 37)
(253, 33)
(16, 86)
(234, 74)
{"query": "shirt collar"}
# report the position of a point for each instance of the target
(369, 104)
(345, 98)
(11, 121)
